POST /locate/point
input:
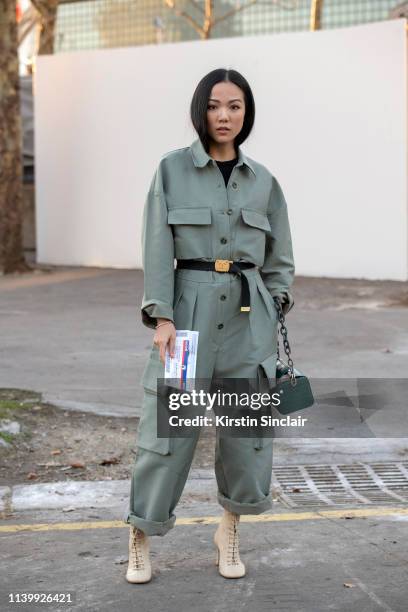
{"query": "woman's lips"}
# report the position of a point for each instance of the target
(222, 129)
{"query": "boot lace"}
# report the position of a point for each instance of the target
(137, 557)
(233, 542)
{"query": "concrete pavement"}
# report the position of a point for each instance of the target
(296, 562)
(74, 335)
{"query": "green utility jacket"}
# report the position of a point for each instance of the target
(189, 213)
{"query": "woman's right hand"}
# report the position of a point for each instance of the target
(165, 336)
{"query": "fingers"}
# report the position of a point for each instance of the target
(162, 349)
(165, 338)
(172, 344)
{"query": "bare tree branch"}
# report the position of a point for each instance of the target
(172, 4)
(315, 14)
(209, 21)
(233, 11)
(48, 11)
(197, 6)
(28, 21)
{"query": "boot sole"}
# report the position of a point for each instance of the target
(138, 581)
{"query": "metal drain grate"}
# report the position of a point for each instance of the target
(337, 485)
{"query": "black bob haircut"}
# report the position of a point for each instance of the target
(199, 102)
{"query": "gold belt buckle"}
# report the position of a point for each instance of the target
(222, 265)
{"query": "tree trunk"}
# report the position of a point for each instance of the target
(11, 202)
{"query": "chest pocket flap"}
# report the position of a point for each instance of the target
(255, 219)
(199, 215)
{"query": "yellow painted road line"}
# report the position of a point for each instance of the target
(208, 520)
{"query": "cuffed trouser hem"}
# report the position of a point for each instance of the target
(151, 527)
(245, 508)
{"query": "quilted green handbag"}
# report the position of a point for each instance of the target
(291, 384)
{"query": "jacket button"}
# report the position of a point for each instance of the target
(220, 325)
(223, 241)
(223, 297)
(229, 211)
(234, 185)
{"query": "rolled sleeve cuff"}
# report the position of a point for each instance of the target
(156, 310)
(286, 299)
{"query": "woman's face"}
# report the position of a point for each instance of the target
(225, 108)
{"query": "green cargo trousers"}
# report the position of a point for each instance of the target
(231, 344)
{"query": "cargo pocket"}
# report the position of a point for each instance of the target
(266, 382)
(147, 429)
(191, 231)
(251, 234)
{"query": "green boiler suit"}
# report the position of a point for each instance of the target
(189, 213)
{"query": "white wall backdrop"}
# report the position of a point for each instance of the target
(331, 125)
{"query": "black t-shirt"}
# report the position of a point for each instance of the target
(226, 168)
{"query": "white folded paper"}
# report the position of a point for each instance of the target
(182, 367)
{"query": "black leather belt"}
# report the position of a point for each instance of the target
(223, 265)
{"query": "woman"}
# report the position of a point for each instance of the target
(210, 205)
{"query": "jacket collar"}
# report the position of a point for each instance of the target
(201, 157)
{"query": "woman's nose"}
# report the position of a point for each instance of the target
(223, 114)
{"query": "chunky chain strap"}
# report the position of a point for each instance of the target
(286, 346)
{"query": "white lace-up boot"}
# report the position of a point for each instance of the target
(226, 540)
(139, 568)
